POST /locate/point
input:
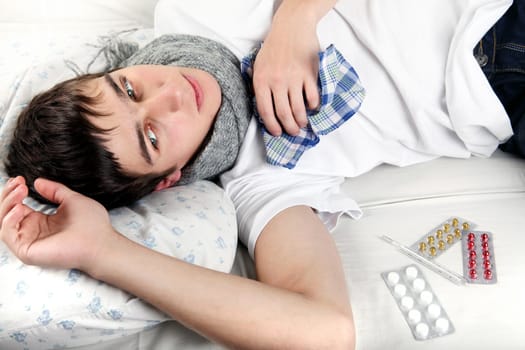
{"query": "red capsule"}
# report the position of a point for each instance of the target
(488, 274)
(472, 264)
(484, 237)
(485, 245)
(486, 264)
(473, 274)
(472, 254)
(471, 237)
(471, 245)
(486, 254)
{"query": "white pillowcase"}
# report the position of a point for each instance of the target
(50, 308)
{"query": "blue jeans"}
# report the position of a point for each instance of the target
(501, 54)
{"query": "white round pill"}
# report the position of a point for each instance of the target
(407, 302)
(418, 284)
(411, 272)
(400, 290)
(393, 278)
(425, 297)
(422, 330)
(434, 310)
(442, 325)
(414, 316)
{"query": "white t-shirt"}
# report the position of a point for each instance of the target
(426, 96)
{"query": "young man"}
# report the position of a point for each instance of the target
(300, 298)
(302, 301)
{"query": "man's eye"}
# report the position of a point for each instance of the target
(152, 137)
(129, 89)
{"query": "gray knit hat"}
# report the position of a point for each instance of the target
(221, 146)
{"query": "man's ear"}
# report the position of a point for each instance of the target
(169, 180)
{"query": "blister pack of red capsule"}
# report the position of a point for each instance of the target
(479, 264)
(420, 306)
(441, 237)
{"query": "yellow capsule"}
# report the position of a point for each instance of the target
(433, 251)
(422, 246)
(457, 233)
(441, 245)
(439, 234)
(466, 226)
(446, 227)
(455, 222)
(450, 239)
(430, 240)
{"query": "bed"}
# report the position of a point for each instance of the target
(41, 40)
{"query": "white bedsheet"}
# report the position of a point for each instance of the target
(404, 203)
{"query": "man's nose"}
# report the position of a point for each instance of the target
(169, 97)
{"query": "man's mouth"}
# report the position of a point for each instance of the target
(197, 91)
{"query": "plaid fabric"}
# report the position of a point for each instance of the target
(341, 96)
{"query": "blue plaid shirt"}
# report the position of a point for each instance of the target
(341, 96)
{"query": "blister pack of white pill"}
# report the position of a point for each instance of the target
(421, 308)
(437, 240)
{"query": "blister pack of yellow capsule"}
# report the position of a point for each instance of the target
(437, 240)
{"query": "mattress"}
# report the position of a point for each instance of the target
(405, 203)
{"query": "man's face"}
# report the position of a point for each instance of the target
(159, 115)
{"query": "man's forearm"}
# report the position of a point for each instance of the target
(312, 10)
(228, 309)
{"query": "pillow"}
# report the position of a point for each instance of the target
(51, 308)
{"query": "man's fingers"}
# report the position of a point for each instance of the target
(284, 112)
(311, 92)
(265, 109)
(10, 225)
(12, 197)
(10, 185)
(20, 231)
(7, 188)
(52, 191)
(15, 216)
(285, 108)
(298, 107)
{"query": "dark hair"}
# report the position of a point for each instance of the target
(55, 140)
